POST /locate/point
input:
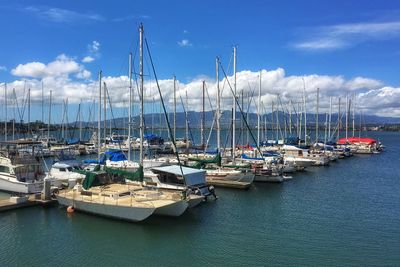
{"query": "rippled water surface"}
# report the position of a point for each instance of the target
(344, 214)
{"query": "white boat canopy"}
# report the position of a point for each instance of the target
(191, 176)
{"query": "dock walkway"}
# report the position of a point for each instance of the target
(6, 204)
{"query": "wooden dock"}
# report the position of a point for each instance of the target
(228, 184)
(6, 204)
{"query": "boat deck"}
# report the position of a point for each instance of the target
(120, 195)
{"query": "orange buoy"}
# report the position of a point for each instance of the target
(70, 209)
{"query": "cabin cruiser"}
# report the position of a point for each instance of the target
(181, 178)
(64, 173)
(20, 172)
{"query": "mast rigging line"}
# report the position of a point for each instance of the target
(240, 109)
(164, 109)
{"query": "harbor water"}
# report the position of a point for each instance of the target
(346, 214)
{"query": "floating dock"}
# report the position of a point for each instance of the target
(228, 184)
(32, 200)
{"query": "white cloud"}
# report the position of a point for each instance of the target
(347, 35)
(93, 52)
(87, 59)
(3, 68)
(131, 17)
(94, 47)
(372, 96)
(61, 66)
(63, 15)
(184, 43)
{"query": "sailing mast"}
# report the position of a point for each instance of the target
(317, 118)
(99, 119)
(258, 113)
(14, 115)
(130, 107)
(234, 107)
(29, 110)
(248, 117)
(354, 113)
(174, 109)
(330, 118)
(48, 126)
(218, 106)
(339, 121)
(203, 116)
(105, 113)
(141, 94)
(42, 103)
(5, 104)
(80, 121)
(290, 117)
(347, 115)
(305, 112)
(187, 124)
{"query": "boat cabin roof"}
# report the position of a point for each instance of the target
(191, 176)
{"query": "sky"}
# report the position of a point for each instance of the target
(344, 48)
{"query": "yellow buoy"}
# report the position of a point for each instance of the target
(70, 209)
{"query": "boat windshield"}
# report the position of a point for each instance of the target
(25, 169)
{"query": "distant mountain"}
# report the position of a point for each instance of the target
(226, 118)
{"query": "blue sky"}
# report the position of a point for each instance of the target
(341, 47)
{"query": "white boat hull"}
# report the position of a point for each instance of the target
(9, 185)
(175, 209)
(269, 178)
(135, 214)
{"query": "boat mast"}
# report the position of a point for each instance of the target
(354, 112)
(29, 110)
(347, 115)
(48, 126)
(259, 112)
(5, 104)
(305, 112)
(272, 120)
(174, 108)
(42, 103)
(330, 118)
(130, 106)
(63, 120)
(99, 119)
(290, 117)
(234, 107)
(299, 121)
(153, 111)
(203, 115)
(141, 94)
(105, 113)
(339, 121)
(159, 119)
(317, 118)
(326, 128)
(80, 121)
(277, 118)
(187, 124)
(248, 117)
(14, 115)
(218, 106)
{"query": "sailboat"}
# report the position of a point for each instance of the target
(105, 192)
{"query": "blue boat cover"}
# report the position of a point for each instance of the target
(244, 156)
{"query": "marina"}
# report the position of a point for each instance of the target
(347, 211)
(261, 150)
